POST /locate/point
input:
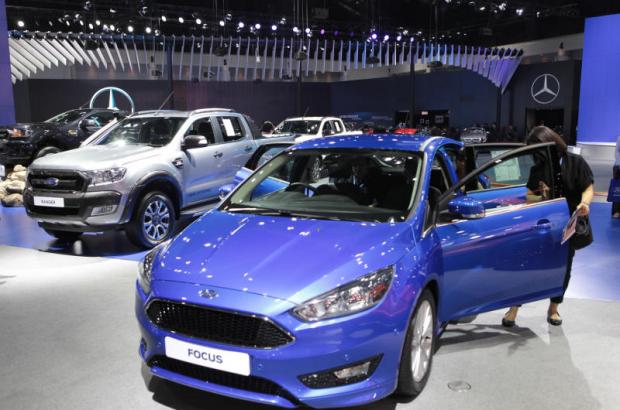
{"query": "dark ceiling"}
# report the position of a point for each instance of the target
(479, 22)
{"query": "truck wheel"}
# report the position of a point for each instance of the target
(66, 236)
(47, 151)
(153, 222)
(417, 356)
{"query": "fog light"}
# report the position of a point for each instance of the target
(103, 210)
(353, 373)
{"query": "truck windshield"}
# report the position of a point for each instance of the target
(299, 127)
(154, 131)
(343, 184)
(67, 117)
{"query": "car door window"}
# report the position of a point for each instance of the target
(521, 179)
(337, 127)
(101, 118)
(202, 127)
(231, 128)
(327, 128)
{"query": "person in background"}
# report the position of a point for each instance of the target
(267, 129)
(578, 189)
(615, 208)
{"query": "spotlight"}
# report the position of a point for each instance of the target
(198, 21)
(308, 30)
(373, 36)
(502, 6)
(482, 8)
(112, 27)
(257, 26)
(157, 32)
(241, 24)
(113, 11)
(97, 22)
(283, 20)
(163, 18)
(105, 27)
(228, 17)
(181, 20)
(130, 29)
(519, 12)
(67, 23)
(81, 23)
(88, 5)
(386, 37)
(148, 30)
(405, 32)
(143, 11)
(399, 37)
(222, 23)
(295, 30)
(322, 31)
(274, 27)
(50, 23)
(20, 23)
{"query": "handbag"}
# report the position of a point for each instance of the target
(583, 233)
(614, 191)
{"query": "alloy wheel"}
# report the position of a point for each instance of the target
(156, 220)
(422, 342)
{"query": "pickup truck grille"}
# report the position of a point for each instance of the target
(57, 181)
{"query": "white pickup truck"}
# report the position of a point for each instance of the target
(306, 128)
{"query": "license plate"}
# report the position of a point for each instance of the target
(49, 201)
(2, 171)
(232, 362)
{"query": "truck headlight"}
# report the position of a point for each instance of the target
(145, 267)
(105, 176)
(354, 297)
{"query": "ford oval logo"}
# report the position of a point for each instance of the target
(208, 293)
(50, 181)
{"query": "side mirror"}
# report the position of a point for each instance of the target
(225, 190)
(467, 207)
(194, 141)
(88, 123)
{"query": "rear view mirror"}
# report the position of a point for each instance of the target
(467, 207)
(194, 141)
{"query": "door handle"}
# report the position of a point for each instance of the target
(248, 148)
(218, 155)
(543, 225)
(178, 162)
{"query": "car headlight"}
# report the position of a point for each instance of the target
(19, 133)
(145, 267)
(105, 176)
(354, 297)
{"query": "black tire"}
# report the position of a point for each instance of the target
(66, 236)
(148, 236)
(47, 151)
(408, 385)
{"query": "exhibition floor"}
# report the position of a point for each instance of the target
(70, 341)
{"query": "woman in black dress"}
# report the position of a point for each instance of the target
(578, 189)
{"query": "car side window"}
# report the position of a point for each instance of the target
(337, 126)
(524, 179)
(327, 128)
(101, 118)
(202, 127)
(231, 128)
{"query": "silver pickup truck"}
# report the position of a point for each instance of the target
(141, 174)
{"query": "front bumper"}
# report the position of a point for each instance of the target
(316, 347)
(16, 152)
(76, 213)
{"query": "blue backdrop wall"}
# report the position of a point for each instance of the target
(7, 111)
(599, 103)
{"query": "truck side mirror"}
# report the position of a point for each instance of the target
(88, 123)
(194, 141)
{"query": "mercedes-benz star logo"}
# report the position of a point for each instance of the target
(111, 100)
(208, 293)
(545, 88)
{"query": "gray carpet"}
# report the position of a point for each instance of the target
(69, 341)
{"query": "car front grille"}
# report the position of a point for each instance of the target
(216, 325)
(235, 381)
(57, 181)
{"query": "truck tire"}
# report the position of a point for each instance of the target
(417, 357)
(66, 236)
(47, 151)
(153, 222)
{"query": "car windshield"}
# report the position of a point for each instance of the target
(346, 184)
(67, 117)
(299, 127)
(154, 131)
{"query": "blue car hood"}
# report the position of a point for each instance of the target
(288, 258)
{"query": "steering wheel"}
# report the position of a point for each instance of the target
(303, 185)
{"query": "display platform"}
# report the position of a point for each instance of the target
(70, 340)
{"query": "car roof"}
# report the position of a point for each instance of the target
(396, 142)
(310, 118)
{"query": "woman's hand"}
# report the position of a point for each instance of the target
(583, 209)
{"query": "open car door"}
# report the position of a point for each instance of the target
(499, 252)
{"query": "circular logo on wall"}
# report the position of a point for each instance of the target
(111, 100)
(545, 88)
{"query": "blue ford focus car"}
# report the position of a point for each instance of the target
(326, 277)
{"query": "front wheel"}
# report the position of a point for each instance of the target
(417, 357)
(153, 222)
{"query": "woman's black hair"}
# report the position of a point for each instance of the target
(542, 134)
